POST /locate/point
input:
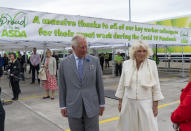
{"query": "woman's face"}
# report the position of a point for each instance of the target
(140, 54)
(12, 57)
(48, 53)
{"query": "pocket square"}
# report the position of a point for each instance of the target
(92, 67)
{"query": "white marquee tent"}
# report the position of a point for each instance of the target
(21, 29)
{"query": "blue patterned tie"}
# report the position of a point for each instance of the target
(80, 68)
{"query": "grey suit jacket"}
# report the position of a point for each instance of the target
(73, 93)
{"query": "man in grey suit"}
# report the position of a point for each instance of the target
(81, 92)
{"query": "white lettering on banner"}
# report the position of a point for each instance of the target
(30, 25)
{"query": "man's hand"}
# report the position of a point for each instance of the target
(101, 110)
(64, 112)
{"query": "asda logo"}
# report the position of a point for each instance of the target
(19, 19)
(14, 33)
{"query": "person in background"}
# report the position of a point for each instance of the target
(81, 92)
(14, 71)
(2, 62)
(22, 65)
(182, 116)
(106, 60)
(29, 62)
(17, 54)
(50, 83)
(118, 64)
(9, 57)
(6, 61)
(156, 59)
(101, 60)
(2, 111)
(30, 65)
(139, 91)
(25, 57)
(35, 64)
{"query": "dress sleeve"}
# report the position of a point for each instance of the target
(156, 91)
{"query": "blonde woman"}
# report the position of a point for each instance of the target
(50, 83)
(139, 91)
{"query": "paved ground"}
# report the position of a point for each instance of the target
(32, 113)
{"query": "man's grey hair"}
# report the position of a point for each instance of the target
(76, 38)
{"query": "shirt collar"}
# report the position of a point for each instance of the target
(77, 58)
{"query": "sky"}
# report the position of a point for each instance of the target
(141, 10)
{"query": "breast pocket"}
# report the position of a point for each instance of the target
(91, 72)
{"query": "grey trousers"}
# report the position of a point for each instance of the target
(84, 123)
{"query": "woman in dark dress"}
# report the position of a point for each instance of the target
(14, 68)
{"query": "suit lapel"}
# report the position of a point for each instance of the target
(73, 66)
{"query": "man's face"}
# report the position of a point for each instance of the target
(34, 50)
(12, 57)
(81, 48)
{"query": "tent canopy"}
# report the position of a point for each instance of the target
(21, 29)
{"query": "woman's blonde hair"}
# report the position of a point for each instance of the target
(138, 44)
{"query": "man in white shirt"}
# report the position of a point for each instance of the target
(35, 62)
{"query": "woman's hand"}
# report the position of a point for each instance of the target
(120, 105)
(155, 108)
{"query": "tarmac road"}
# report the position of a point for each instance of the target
(32, 113)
